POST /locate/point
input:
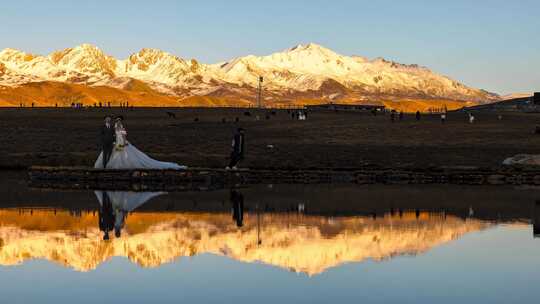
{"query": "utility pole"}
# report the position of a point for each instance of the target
(259, 241)
(259, 93)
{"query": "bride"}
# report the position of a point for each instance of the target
(126, 156)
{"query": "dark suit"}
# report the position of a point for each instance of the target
(106, 216)
(238, 150)
(107, 142)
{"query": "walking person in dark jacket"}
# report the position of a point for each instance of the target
(238, 149)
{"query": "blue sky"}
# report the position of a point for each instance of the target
(493, 45)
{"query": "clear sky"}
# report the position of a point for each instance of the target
(490, 44)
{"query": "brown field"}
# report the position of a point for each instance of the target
(327, 139)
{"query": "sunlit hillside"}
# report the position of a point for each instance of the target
(296, 242)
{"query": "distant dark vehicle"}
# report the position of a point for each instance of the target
(247, 113)
(171, 115)
(536, 98)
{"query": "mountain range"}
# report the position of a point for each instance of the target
(299, 75)
(303, 244)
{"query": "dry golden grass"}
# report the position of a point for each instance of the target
(49, 93)
(413, 105)
(138, 93)
(209, 101)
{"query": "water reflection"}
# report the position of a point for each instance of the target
(237, 200)
(291, 240)
(114, 207)
(536, 220)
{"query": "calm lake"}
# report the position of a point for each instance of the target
(270, 244)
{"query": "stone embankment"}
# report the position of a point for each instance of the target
(206, 178)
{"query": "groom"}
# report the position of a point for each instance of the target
(107, 140)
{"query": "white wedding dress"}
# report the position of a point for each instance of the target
(124, 202)
(126, 156)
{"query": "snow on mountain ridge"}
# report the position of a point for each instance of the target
(301, 68)
(85, 59)
(308, 67)
(156, 65)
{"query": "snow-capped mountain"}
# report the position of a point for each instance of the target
(304, 71)
(307, 67)
(516, 96)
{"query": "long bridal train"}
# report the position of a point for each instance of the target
(124, 200)
(126, 156)
(130, 157)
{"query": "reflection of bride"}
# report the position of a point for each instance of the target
(116, 205)
(126, 156)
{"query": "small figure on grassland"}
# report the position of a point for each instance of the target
(238, 149)
(471, 118)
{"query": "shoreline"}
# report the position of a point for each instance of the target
(208, 178)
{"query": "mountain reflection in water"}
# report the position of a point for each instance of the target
(295, 241)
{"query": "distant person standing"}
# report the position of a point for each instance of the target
(417, 115)
(238, 149)
(471, 118)
(401, 115)
(443, 118)
(392, 116)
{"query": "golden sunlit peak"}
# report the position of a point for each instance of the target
(307, 244)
